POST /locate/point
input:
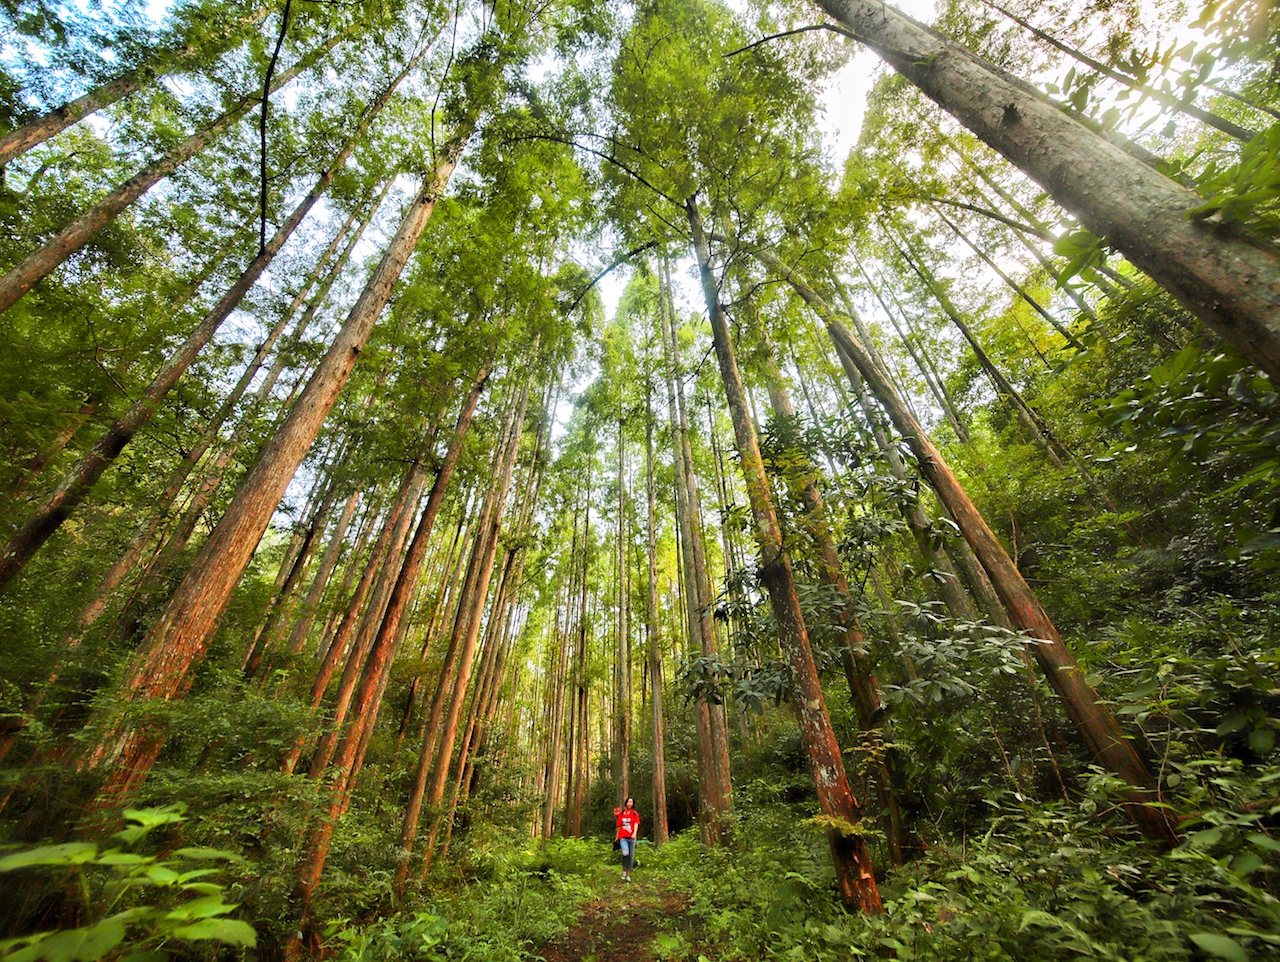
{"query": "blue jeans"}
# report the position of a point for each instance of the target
(628, 848)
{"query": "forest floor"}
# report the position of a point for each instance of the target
(637, 921)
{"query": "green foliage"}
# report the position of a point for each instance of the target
(1246, 192)
(1044, 882)
(143, 907)
(1224, 417)
(528, 898)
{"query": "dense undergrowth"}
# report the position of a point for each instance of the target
(521, 899)
(1043, 882)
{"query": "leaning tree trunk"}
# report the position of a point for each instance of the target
(17, 142)
(75, 235)
(848, 846)
(181, 635)
(449, 731)
(1092, 718)
(381, 560)
(407, 582)
(864, 686)
(128, 561)
(1178, 104)
(84, 475)
(1225, 278)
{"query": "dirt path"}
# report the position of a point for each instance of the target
(624, 925)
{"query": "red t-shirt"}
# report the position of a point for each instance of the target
(628, 823)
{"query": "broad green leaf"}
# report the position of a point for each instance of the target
(1222, 946)
(1264, 841)
(201, 908)
(118, 858)
(1205, 838)
(72, 853)
(230, 931)
(82, 945)
(204, 852)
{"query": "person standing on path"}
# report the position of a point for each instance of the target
(628, 820)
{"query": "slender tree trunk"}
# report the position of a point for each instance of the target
(1092, 718)
(864, 686)
(17, 142)
(173, 487)
(848, 847)
(179, 638)
(715, 802)
(622, 705)
(1011, 283)
(1026, 417)
(652, 633)
(41, 459)
(1179, 104)
(555, 718)
(937, 385)
(76, 486)
(376, 585)
(71, 238)
(407, 582)
(328, 561)
(949, 586)
(1225, 279)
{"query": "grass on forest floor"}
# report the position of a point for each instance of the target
(635, 921)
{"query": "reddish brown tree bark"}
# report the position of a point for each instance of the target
(1092, 718)
(181, 635)
(848, 847)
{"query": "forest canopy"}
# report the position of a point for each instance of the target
(850, 432)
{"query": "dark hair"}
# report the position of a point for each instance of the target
(630, 801)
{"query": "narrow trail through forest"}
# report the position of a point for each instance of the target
(624, 922)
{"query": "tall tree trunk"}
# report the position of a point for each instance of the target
(555, 719)
(1225, 279)
(1011, 283)
(715, 799)
(164, 501)
(1093, 719)
(407, 582)
(180, 637)
(389, 540)
(949, 587)
(376, 586)
(1021, 409)
(622, 692)
(652, 633)
(848, 846)
(937, 385)
(76, 486)
(864, 686)
(328, 561)
(71, 238)
(17, 142)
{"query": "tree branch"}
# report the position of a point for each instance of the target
(262, 126)
(791, 33)
(617, 261)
